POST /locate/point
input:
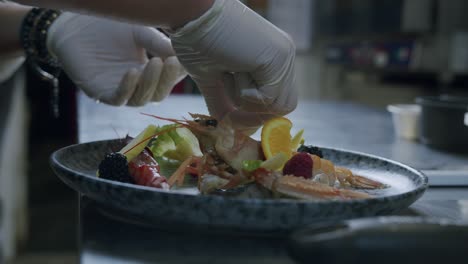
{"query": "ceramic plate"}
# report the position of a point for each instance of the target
(76, 165)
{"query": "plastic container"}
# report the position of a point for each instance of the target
(406, 120)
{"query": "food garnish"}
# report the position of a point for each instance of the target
(297, 140)
(179, 143)
(114, 166)
(311, 150)
(251, 165)
(136, 145)
(299, 165)
(276, 162)
(209, 154)
(276, 137)
(133, 164)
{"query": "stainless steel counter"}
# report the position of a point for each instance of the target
(349, 126)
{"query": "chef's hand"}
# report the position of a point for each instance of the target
(243, 64)
(108, 59)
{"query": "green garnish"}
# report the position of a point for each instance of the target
(251, 165)
(178, 143)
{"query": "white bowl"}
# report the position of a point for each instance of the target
(406, 120)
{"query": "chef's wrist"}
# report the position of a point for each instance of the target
(34, 32)
(194, 10)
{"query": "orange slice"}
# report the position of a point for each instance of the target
(276, 137)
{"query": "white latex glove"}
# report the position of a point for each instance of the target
(108, 59)
(243, 64)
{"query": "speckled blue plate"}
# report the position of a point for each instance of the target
(76, 165)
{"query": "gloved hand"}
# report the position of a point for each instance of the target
(108, 59)
(243, 64)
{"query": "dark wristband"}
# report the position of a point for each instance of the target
(33, 36)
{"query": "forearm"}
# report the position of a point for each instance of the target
(163, 13)
(11, 17)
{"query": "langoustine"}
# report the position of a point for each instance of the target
(301, 188)
(324, 171)
(307, 176)
(224, 150)
(219, 139)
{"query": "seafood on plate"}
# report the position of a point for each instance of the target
(214, 157)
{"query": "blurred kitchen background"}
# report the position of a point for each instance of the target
(372, 52)
(376, 52)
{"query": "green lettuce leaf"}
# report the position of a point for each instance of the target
(176, 144)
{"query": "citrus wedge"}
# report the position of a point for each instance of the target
(276, 137)
(297, 140)
(136, 145)
(276, 162)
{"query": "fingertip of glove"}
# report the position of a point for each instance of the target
(154, 41)
(286, 105)
(155, 63)
(127, 85)
(172, 60)
(136, 103)
(174, 64)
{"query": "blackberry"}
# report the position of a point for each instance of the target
(115, 167)
(311, 150)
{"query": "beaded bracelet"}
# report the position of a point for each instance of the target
(27, 26)
(33, 35)
(45, 21)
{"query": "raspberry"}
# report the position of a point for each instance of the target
(299, 165)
